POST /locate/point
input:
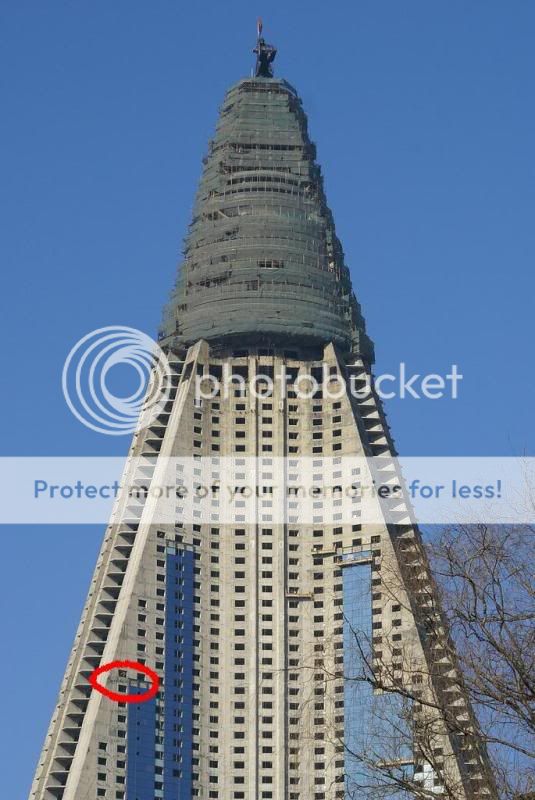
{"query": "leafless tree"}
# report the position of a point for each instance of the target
(486, 576)
(476, 613)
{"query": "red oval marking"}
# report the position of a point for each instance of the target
(118, 697)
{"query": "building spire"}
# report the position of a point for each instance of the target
(265, 54)
(261, 258)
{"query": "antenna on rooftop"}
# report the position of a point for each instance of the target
(265, 54)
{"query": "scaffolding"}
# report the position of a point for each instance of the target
(261, 255)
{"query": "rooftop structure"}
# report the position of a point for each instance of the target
(262, 258)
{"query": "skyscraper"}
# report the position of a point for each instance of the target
(302, 656)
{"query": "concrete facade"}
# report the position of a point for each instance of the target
(251, 624)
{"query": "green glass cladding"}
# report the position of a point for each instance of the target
(261, 258)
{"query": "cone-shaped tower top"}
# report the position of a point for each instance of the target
(262, 261)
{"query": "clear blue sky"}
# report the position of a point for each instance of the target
(423, 116)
